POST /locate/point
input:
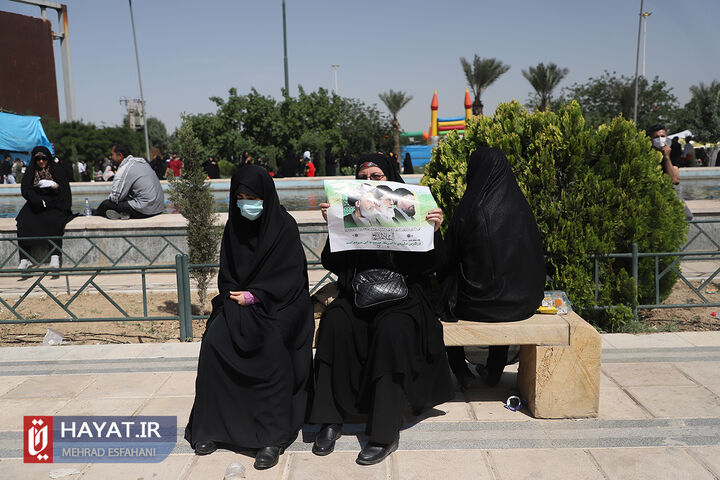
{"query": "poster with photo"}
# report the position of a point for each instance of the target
(368, 215)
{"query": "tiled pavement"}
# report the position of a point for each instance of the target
(659, 418)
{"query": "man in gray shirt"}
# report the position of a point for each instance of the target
(136, 190)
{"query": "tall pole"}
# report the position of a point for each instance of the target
(645, 16)
(335, 68)
(66, 64)
(287, 82)
(637, 62)
(142, 98)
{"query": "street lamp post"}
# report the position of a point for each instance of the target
(287, 83)
(335, 68)
(142, 98)
(637, 62)
(645, 19)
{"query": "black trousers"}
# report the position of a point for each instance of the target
(123, 206)
(388, 405)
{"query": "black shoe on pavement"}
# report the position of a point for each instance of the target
(325, 439)
(267, 457)
(205, 448)
(373, 453)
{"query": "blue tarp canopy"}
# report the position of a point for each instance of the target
(19, 133)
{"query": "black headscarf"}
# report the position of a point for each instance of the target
(60, 198)
(262, 256)
(495, 245)
(389, 167)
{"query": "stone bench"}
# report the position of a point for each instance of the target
(559, 372)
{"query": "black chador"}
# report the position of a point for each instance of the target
(47, 209)
(370, 367)
(496, 268)
(254, 369)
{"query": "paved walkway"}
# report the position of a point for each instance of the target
(659, 418)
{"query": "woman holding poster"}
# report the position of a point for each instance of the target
(370, 364)
(255, 364)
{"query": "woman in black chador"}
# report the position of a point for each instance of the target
(254, 370)
(370, 366)
(496, 268)
(47, 208)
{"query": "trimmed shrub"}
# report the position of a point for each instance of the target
(592, 191)
(191, 195)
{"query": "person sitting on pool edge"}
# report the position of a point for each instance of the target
(136, 191)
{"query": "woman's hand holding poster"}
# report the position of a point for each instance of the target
(367, 215)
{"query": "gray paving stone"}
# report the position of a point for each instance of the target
(704, 373)
(336, 466)
(8, 354)
(646, 374)
(10, 382)
(101, 406)
(677, 402)
(61, 386)
(13, 410)
(616, 404)
(213, 467)
(649, 464)
(709, 456)
(178, 406)
(120, 385)
(92, 352)
(650, 340)
(179, 383)
(432, 465)
(14, 468)
(544, 464)
(171, 349)
(169, 469)
(701, 339)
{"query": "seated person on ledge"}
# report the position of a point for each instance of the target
(496, 267)
(136, 190)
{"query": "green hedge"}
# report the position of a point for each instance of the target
(592, 191)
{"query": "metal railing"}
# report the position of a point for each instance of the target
(73, 266)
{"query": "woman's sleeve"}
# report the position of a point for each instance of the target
(334, 262)
(423, 263)
(29, 193)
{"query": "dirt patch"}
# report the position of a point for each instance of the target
(93, 305)
(690, 319)
(89, 305)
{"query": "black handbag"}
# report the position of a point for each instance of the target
(378, 287)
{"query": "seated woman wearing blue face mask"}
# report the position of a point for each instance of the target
(255, 359)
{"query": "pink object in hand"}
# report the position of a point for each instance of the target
(250, 298)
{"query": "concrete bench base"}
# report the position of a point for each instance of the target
(559, 372)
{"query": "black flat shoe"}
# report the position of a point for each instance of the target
(205, 448)
(373, 453)
(267, 457)
(325, 439)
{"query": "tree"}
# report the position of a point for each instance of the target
(191, 195)
(395, 101)
(315, 121)
(701, 115)
(544, 79)
(592, 191)
(481, 74)
(157, 134)
(608, 96)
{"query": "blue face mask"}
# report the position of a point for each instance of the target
(250, 209)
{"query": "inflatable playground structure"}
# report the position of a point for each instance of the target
(439, 127)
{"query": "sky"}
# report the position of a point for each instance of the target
(192, 50)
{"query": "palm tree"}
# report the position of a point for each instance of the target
(395, 101)
(481, 74)
(544, 79)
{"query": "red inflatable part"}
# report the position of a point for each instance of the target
(452, 127)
